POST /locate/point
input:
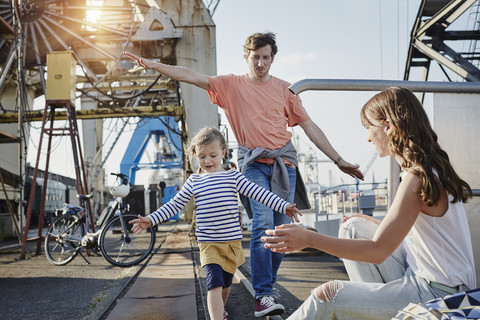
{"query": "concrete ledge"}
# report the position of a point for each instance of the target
(244, 281)
(173, 308)
(166, 287)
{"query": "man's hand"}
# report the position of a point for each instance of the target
(146, 63)
(293, 212)
(350, 169)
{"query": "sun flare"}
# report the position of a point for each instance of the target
(93, 15)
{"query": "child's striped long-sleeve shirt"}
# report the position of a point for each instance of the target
(216, 200)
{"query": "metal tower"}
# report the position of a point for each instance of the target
(433, 40)
(108, 83)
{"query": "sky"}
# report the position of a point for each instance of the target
(341, 39)
(324, 40)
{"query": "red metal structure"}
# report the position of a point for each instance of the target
(82, 188)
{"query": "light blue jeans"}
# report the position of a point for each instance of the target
(264, 263)
(374, 291)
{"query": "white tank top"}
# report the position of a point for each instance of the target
(440, 248)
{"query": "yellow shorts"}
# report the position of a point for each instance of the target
(229, 255)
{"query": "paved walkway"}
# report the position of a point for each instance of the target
(165, 289)
(169, 285)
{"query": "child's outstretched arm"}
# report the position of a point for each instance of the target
(141, 224)
(293, 212)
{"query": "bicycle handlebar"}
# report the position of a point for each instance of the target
(122, 176)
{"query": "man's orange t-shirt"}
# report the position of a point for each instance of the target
(258, 113)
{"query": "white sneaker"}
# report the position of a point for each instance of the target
(266, 306)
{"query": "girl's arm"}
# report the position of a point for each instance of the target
(390, 233)
(252, 190)
(175, 205)
(166, 211)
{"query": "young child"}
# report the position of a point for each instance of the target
(218, 229)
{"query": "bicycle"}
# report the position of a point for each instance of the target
(68, 235)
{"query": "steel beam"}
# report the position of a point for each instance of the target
(100, 113)
(429, 34)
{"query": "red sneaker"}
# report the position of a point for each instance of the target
(225, 315)
(266, 306)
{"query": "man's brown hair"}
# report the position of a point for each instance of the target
(259, 40)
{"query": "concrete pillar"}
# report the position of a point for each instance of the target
(196, 50)
(92, 132)
(456, 119)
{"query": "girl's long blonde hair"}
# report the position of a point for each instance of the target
(206, 136)
(414, 140)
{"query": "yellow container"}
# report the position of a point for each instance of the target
(61, 75)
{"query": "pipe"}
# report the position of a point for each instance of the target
(9, 62)
(379, 85)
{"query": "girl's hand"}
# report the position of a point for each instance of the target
(141, 224)
(293, 212)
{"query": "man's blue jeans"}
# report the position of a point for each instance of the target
(264, 263)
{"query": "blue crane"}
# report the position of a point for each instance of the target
(168, 157)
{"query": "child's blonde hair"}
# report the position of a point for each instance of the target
(206, 136)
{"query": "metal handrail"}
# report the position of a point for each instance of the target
(378, 85)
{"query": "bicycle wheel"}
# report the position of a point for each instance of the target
(129, 250)
(63, 239)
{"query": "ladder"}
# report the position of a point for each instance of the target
(71, 130)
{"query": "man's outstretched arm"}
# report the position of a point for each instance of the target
(316, 135)
(178, 73)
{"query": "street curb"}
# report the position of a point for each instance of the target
(243, 280)
(108, 309)
(240, 277)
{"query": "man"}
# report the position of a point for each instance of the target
(259, 108)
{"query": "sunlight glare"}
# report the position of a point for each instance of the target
(93, 16)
